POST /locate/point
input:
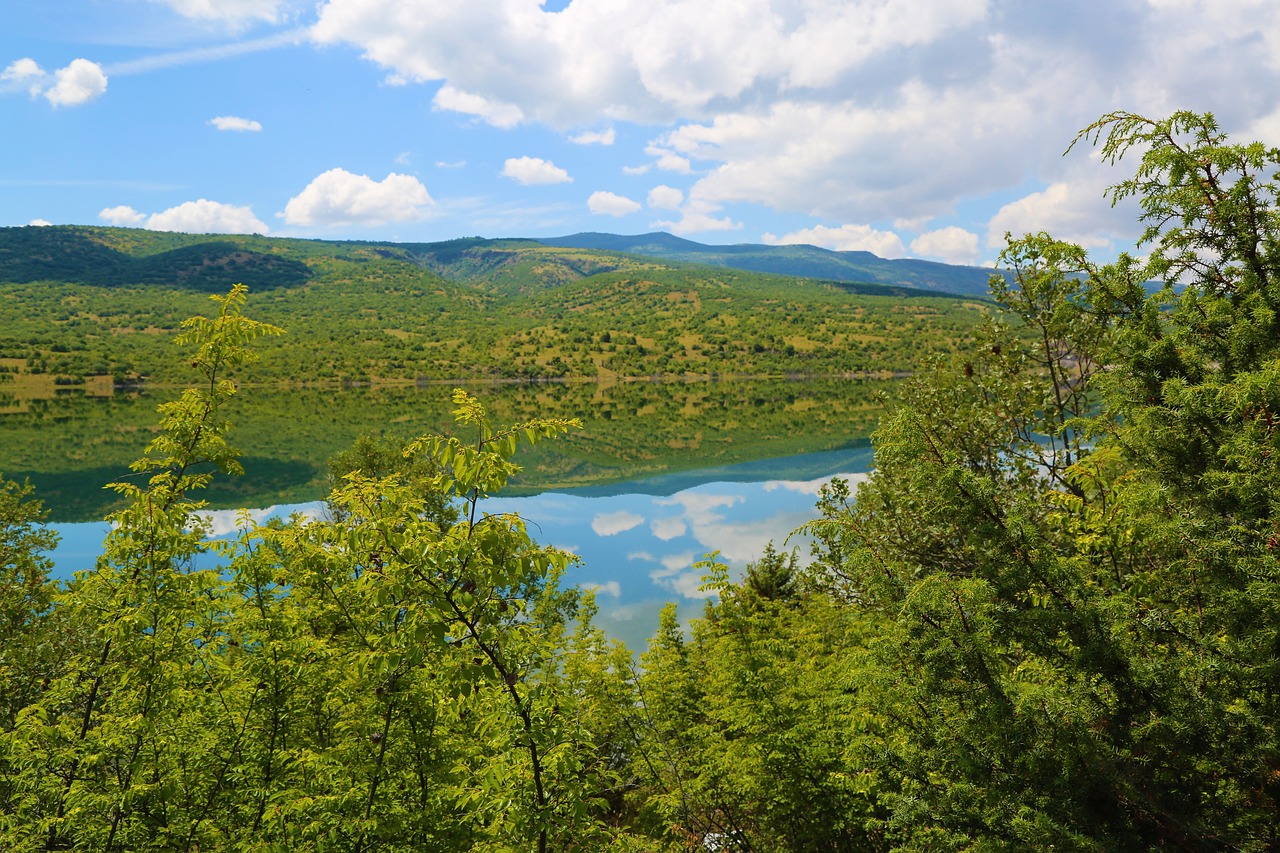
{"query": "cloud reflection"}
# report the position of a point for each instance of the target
(613, 523)
(811, 487)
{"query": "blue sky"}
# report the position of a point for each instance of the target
(921, 128)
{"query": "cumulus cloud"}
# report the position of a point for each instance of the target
(207, 217)
(339, 197)
(952, 244)
(613, 523)
(697, 216)
(496, 113)
(647, 60)
(194, 217)
(1073, 209)
(604, 137)
(78, 83)
(122, 215)
(669, 161)
(40, 223)
(534, 170)
(846, 238)
(611, 204)
(235, 123)
(665, 197)
(23, 74)
(844, 110)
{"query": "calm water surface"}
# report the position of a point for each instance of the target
(637, 541)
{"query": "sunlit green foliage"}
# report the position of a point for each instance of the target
(1050, 613)
(403, 676)
(70, 445)
(1049, 619)
(78, 302)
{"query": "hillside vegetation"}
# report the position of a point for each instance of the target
(69, 445)
(77, 302)
(801, 260)
(1048, 620)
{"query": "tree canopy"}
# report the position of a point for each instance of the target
(1049, 619)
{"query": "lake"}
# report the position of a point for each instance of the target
(662, 473)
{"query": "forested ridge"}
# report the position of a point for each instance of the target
(83, 302)
(1049, 619)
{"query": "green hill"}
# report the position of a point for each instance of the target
(796, 260)
(89, 301)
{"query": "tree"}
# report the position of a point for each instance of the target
(401, 676)
(1069, 537)
(750, 736)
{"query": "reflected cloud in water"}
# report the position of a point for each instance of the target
(636, 551)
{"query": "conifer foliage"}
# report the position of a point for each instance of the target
(1050, 619)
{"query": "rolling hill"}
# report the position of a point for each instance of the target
(796, 260)
(79, 302)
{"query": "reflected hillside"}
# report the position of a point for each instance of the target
(68, 446)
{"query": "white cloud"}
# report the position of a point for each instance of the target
(608, 588)
(78, 83)
(665, 197)
(339, 197)
(676, 562)
(952, 244)
(207, 217)
(21, 69)
(669, 528)
(210, 53)
(604, 137)
(121, 215)
(636, 170)
(843, 110)
(911, 224)
(611, 204)
(645, 60)
(534, 170)
(231, 11)
(669, 161)
(697, 216)
(446, 164)
(496, 113)
(1073, 209)
(40, 223)
(697, 222)
(613, 523)
(235, 123)
(846, 238)
(23, 74)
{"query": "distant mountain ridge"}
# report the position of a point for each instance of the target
(799, 260)
(211, 263)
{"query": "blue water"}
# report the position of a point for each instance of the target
(637, 542)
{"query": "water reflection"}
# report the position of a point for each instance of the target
(68, 448)
(637, 547)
